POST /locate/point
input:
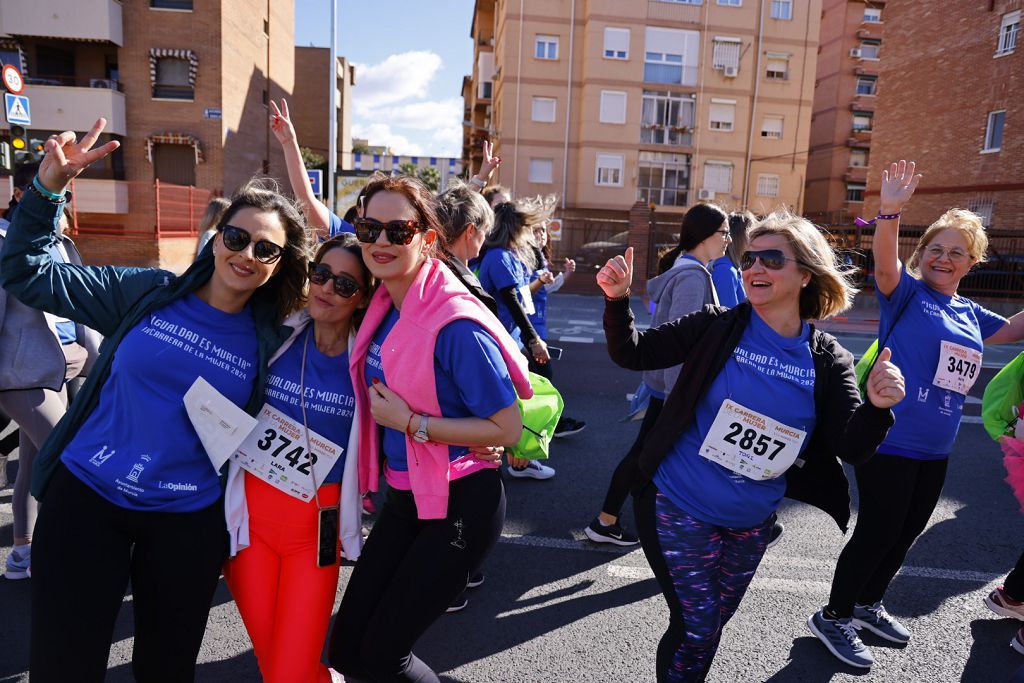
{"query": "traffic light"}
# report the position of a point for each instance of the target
(19, 138)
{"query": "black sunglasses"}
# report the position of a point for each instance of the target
(344, 285)
(237, 239)
(772, 259)
(398, 232)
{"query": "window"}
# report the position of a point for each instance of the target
(855, 192)
(722, 115)
(730, 3)
(767, 185)
(172, 79)
(718, 176)
(670, 56)
(872, 15)
(782, 9)
(862, 120)
(541, 170)
(609, 169)
(181, 5)
(858, 158)
(1009, 30)
(771, 127)
(543, 109)
(726, 53)
(175, 164)
(994, 131)
(486, 90)
(867, 85)
(613, 106)
(984, 209)
(666, 118)
(616, 43)
(546, 47)
(777, 68)
(663, 178)
(485, 74)
(869, 49)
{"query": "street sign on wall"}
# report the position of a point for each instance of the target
(16, 109)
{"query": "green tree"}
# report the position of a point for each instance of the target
(430, 177)
(312, 160)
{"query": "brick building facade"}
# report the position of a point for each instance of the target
(309, 102)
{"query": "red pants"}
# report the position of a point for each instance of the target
(285, 600)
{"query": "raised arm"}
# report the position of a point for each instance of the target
(487, 167)
(318, 215)
(898, 185)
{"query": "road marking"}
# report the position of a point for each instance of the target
(566, 544)
(585, 323)
(972, 400)
(578, 340)
(972, 419)
(6, 509)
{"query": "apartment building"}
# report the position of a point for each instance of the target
(845, 91)
(309, 108)
(956, 106)
(670, 102)
(184, 86)
(384, 160)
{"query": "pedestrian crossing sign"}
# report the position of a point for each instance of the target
(17, 109)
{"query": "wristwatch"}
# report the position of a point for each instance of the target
(421, 435)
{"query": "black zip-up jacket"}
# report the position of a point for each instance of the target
(847, 428)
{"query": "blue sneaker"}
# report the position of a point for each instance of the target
(875, 619)
(841, 639)
(19, 563)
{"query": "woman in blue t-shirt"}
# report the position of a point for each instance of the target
(937, 338)
(124, 479)
(760, 390)
(436, 378)
(283, 588)
(725, 270)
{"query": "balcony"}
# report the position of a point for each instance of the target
(74, 19)
(870, 32)
(100, 196)
(856, 174)
(861, 103)
(866, 68)
(69, 107)
(858, 142)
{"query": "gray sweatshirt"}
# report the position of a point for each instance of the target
(683, 289)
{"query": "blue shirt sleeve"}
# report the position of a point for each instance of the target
(727, 285)
(898, 300)
(472, 359)
(337, 225)
(500, 268)
(989, 322)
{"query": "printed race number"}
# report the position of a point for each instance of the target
(958, 368)
(750, 443)
(292, 457)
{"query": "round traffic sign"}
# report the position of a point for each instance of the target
(12, 79)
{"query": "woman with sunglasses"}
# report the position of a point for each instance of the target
(937, 338)
(683, 285)
(760, 390)
(435, 374)
(284, 594)
(124, 479)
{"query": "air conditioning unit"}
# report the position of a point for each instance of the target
(855, 52)
(731, 71)
(107, 83)
(705, 194)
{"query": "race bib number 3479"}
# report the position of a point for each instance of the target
(958, 368)
(750, 443)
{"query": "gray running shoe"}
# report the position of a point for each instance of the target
(19, 566)
(875, 619)
(841, 639)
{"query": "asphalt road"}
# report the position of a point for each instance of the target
(555, 607)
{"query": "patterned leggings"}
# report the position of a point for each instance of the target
(703, 571)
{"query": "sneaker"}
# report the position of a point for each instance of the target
(613, 533)
(476, 580)
(18, 565)
(567, 427)
(1003, 605)
(458, 604)
(875, 619)
(777, 530)
(534, 470)
(1018, 641)
(841, 639)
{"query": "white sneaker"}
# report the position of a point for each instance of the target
(534, 470)
(18, 565)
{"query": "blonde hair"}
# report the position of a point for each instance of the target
(967, 223)
(830, 290)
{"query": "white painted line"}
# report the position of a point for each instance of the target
(971, 419)
(972, 400)
(578, 340)
(595, 323)
(567, 544)
(635, 573)
(6, 509)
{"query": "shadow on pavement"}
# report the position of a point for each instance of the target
(810, 662)
(991, 658)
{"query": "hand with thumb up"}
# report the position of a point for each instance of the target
(886, 387)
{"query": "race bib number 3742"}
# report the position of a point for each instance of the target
(750, 443)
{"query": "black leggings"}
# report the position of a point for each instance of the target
(897, 497)
(84, 551)
(408, 574)
(624, 477)
(1014, 584)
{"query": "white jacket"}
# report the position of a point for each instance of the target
(236, 510)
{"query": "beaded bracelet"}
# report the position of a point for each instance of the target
(879, 217)
(618, 298)
(43, 193)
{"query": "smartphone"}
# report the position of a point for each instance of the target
(327, 550)
(554, 352)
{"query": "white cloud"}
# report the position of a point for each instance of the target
(381, 134)
(448, 140)
(428, 115)
(397, 78)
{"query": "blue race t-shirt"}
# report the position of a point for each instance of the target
(928, 419)
(337, 225)
(499, 269)
(539, 318)
(728, 282)
(768, 373)
(330, 402)
(138, 449)
(66, 332)
(470, 376)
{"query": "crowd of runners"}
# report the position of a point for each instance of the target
(235, 418)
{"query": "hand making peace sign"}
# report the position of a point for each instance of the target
(66, 158)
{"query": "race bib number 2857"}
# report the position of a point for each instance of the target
(750, 443)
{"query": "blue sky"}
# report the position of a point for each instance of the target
(410, 56)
